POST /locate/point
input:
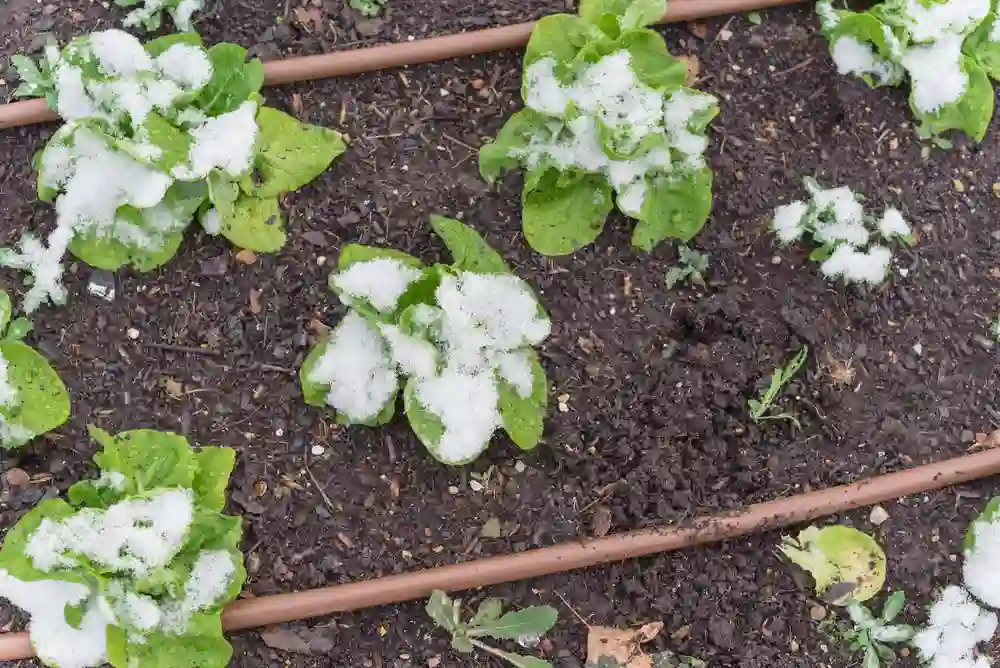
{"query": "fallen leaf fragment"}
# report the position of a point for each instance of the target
(491, 529)
(285, 640)
(602, 521)
(693, 69)
(622, 645)
(255, 306)
(986, 441)
(173, 388)
(246, 256)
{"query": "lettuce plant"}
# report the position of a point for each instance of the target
(461, 335)
(33, 399)
(606, 111)
(836, 221)
(148, 14)
(135, 569)
(947, 49)
(153, 137)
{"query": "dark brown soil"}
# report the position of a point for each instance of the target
(655, 382)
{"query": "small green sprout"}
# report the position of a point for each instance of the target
(525, 626)
(692, 268)
(762, 409)
(995, 329)
(754, 18)
(873, 635)
(369, 8)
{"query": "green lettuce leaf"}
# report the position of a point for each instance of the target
(12, 553)
(495, 158)
(6, 309)
(652, 63)
(674, 209)
(971, 113)
(428, 427)
(565, 211)
(315, 393)
(469, 250)
(42, 400)
(159, 45)
(290, 154)
(233, 82)
(254, 223)
(352, 254)
(559, 36)
(980, 47)
(523, 417)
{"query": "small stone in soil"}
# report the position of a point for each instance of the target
(102, 285)
(317, 450)
(817, 613)
(878, 516)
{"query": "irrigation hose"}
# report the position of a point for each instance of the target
(358, 61)
(254, 612)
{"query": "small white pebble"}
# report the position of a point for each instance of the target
(519, 466)
(476, 486)
(317, 450)
(918, 349)
(279, 432)
(321, 260)
(132, 333)
(453, 490)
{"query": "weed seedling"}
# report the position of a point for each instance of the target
(873, 635)
(369, 8)
(692, 268)
(525, 626)
(762, 409)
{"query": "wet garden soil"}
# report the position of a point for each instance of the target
(649, 422)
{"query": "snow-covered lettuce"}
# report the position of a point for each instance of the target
(461, 334)
(836, 221)
(154, 136)
(135, 569)
(607, 120)
(33, 399)
(148, 14)
(948, 49)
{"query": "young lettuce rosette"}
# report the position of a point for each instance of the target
(607, 121)
(947, 49)
(461, 335)
(154, 136)
(135, 569)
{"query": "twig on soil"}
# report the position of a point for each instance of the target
(182, 349)
(571, 608)
(447, 136)
(315, 482)
(795, 68)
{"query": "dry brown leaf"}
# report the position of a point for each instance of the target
(255, 306)
(309, 18)
(284, 640)
(602, 521)
(986, 441)
(623, 645)
(246, 256)
(693, 69)
(317, 326)
(297, 104)
(173, 388)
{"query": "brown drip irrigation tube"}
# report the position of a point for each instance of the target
(357, 61)
(253, 612)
